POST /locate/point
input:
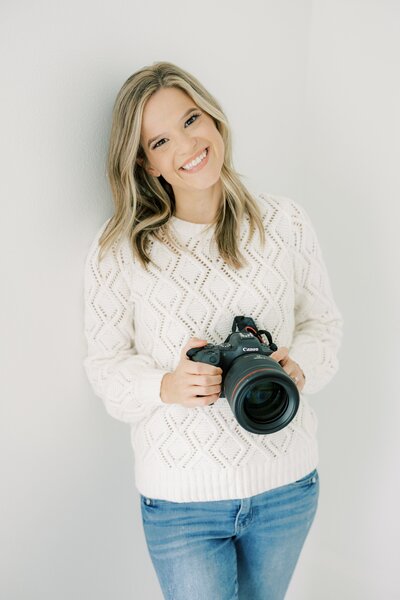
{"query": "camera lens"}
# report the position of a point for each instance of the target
(262, 396)
(265, 402)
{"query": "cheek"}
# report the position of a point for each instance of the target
(221, 149)
(219, 142)
(165, 163)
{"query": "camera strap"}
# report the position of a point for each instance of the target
(242, 323)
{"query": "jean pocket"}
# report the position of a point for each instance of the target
(147, 502)
(309, 479)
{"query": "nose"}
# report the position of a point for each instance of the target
(186, 145)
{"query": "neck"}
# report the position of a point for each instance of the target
(200, 207)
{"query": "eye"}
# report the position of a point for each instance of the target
(156, 145)
(191, 117)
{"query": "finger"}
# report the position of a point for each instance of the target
(199, 368)
(281, 354)
(202, 390)
(291, 368)
(297, 377)
(294, 375)
(206, 380)
(201, 400)
(288, 371)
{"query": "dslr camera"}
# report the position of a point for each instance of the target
(262, 396)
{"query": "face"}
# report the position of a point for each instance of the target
(174, 132)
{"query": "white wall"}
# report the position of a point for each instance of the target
(311, 89)
(352, 185)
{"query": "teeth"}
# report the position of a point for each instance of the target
(195, 162)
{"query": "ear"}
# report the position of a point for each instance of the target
(150, 170)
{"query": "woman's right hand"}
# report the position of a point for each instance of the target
(192, 383)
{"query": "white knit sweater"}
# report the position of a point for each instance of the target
(137, 322)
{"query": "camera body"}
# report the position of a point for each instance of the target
(239, 343)
(262, 396)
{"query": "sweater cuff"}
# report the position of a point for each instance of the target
(148, 386)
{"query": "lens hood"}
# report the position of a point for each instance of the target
(262, 396)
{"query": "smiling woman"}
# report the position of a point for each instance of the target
(220, 505)
(187, 147)
(163, 118)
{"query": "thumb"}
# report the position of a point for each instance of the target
(194, 342)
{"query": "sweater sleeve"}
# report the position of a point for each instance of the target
(318, 322)
(127, 382)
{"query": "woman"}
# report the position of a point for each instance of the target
(225, 511)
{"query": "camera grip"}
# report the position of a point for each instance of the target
(191, 352)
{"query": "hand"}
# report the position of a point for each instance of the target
(192, 383)
(291, 367)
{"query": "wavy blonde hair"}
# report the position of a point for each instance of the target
(144, 204)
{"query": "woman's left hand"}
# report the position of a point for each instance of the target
(291, 367)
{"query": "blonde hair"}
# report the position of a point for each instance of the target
(144, 204)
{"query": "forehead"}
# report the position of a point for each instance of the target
(165, 106)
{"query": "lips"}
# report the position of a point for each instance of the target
(194, 157)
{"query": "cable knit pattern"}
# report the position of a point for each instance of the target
(137, 322)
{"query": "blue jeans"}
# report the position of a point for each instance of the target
(244, 549)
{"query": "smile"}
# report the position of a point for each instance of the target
(198, 163)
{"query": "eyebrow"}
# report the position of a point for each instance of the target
(182, 117)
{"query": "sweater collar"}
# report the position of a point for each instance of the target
(188, 229)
